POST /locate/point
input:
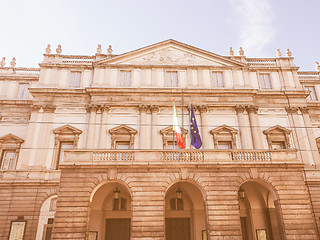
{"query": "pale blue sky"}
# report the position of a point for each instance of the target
(260, 26)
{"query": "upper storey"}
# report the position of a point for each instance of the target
(168, 64)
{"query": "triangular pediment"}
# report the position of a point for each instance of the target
(224, 129)
(170, 53)
(277, 130)
(10, 138)
(169, 131)
(67, 130)
(123, 130)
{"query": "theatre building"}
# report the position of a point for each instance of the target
(88, 149)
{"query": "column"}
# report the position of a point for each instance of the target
(92, 119)
(97, 127)
(297, 128)
(33, 132)
(143, 117)
(154, 127)
(311, 138)
(243, 127)
(255, 127)
(104, 128)
(204, 126)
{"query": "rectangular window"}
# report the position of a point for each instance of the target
(224, 145)
(265, 81)
(217, 79)
(23, 90)
(48, 228)
(125, 78)
(172, 146)
(64, 146)
(312, 95)
(75, 80)
(172, 78)
(278, 145)
(8, 160)
(123, 145)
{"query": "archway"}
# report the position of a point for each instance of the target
(185, 213)
(46, 218)
(259, 212)
(110, 213)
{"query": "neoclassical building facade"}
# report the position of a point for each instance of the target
(88, 149)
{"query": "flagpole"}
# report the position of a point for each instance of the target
(182, 113)
(173, 133)
(190, 118)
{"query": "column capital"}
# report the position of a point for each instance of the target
(154, 108)
(105, 108)
(143, 108)
(304, 110)
(203, 108)
(35, 108)
(48, 108)
(292, 110)
(92, 107)
(240, 108)
(252, 109)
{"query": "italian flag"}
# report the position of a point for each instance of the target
(177, 129)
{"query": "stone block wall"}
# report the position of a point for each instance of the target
(219, 185)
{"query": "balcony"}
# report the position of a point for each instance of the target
(148, 157)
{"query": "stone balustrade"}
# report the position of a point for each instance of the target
(179, 156)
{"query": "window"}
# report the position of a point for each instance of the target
(8, 160)
(176, 204)
(119, 204)
(168, 137)
(125, 78)
(122, 137)
(10, 146)
(224, 145)
(66, 137)
(23, 90)
(224, 137)
(172, 78)
(278, 137)
(48, 228)
(217, 79)
(122, 144)
(312, 95)
(265, 81)
(75, 80)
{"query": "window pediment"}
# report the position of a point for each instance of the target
(224, 137)
(278, 137)
(168, 135)
(67, 130)
(11, 139)
(122, 135)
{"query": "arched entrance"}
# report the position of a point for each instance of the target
(259, 212)
(185, 213)
(46, 218)
(110, 213)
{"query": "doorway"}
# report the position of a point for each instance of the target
(178, 229)
(118, 229)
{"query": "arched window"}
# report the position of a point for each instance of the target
(278, 137)
(224, 137)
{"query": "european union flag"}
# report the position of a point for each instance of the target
(194, 131)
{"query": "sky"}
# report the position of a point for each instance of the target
(259, 26)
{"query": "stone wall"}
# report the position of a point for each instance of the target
(218, 183)
(23, 199)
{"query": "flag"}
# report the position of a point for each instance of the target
(176, 128)
(194, 131)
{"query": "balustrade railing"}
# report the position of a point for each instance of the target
(77, 59)
(112, 156)
(261, 61)
(183, 155)
(251, 156)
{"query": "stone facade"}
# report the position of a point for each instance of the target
(88, 150)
